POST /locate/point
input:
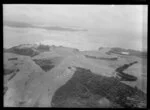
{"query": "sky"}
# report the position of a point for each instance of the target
(108, 25)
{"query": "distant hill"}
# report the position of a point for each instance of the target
(35, 49)
(130, 52)
(28, 49)
(27, 25)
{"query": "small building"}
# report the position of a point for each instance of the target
(125, 53)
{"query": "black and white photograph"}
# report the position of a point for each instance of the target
(75, 56)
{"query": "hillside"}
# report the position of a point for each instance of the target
(39, 75)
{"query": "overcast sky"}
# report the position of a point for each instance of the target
(107, 25)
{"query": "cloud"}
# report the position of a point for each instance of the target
(107, 25)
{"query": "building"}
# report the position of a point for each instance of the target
(125, 53)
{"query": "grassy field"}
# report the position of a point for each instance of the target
(84, 86)
(45, 64)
